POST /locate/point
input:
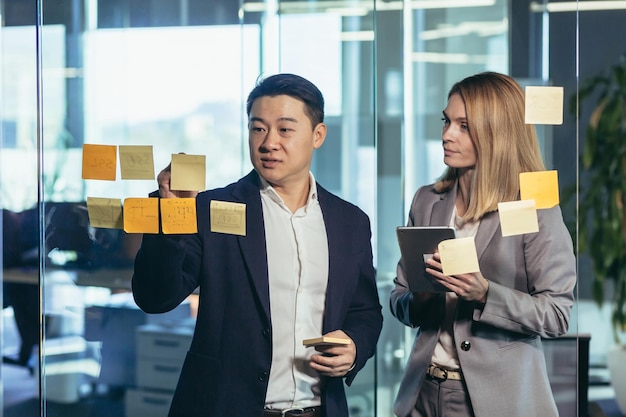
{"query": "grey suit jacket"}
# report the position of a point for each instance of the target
(531, 281)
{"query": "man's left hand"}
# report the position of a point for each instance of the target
(334, 360)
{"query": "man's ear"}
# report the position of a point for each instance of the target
(319, 135)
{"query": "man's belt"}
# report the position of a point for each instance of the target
(294, 412)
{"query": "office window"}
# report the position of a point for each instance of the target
(175, 75)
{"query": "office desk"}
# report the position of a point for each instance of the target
(63, 302)
(567, 361)
(115, 279)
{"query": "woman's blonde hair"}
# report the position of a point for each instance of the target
(505, 144)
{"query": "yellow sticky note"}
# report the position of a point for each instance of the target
(141, 215)
(136, 162)
(105, 213)
(541, 186)
(544, 105)
(99, 162)
(458, 256)
(518, 217)
(178, 216)
(227, 217)
(188, 172)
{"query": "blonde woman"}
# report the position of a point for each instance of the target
(478, 348)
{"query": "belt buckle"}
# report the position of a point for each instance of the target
(436, 371)
(289, 410)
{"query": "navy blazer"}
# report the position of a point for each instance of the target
(226, 369)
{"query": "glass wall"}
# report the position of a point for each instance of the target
(173, 76)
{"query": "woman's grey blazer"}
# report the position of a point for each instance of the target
(531, 281)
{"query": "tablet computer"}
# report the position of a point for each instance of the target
(416, 245)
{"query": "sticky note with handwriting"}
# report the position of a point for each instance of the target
(228, 217)
(518, 217)
(105, 213)
(141, 215)
(458, 256)
(99, 162)
(178, 216)
(541, 186)
(188, 172)
(544, 105)
(136, 162)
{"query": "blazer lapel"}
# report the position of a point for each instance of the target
(442, 213)
(486, 230)
(442, 209)
(252, 245)
(332, 226)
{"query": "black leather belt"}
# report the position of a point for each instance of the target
(293, 412)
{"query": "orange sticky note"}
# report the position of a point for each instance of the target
(105, 213)
(136, 162)
(178, 215)
(141, 215)
(188, 172)
(541, 186)
(99, 162)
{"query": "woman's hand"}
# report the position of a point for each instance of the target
(470, 287)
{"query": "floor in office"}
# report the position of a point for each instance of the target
(21, 388)
(601, 395)
(603, 407)
(21, 399)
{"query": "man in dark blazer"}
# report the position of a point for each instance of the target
(277, 259)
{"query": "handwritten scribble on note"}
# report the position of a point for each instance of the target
(141, 215)
(458, 256)
(228, 217)
(178, 215)
(99, 162)
(136, 162)
(105, 212)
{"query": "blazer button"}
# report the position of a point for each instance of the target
(263, 376)
(465, 345)
(266, 332)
